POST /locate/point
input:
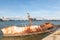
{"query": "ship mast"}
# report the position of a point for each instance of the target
(29, 18)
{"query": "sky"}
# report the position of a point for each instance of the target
(49, 9)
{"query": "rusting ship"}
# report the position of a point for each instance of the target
(27, 30)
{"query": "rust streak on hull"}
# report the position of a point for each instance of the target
(28, 30)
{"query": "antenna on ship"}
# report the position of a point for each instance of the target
(29, 18)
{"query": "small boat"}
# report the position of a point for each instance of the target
(27, 30)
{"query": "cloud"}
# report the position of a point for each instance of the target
(47, 14)
(39, 12)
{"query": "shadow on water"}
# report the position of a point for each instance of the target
(1, 34)
(27, 37)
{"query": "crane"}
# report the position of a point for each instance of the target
(30, 20)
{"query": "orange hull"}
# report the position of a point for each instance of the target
(13, 30)
(21, 30)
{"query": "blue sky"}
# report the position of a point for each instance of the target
(36, 8)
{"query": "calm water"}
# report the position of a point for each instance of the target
(23, 23)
